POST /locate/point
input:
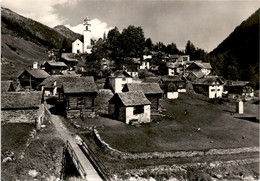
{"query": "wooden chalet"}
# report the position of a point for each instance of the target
(54, 67)
(31, 79)
(7, 86)
(26, 107)
(242, 88)
(130, 107)
(203, 67)
(152, 92)
(79, 96)
(210, 86)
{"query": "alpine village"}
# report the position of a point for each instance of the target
(125, 108)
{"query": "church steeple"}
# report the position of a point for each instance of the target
(87, 35)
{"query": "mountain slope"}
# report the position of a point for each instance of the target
(242, 47)
(24, 40)
(68, 33)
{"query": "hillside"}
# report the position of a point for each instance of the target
(25, 40)
(242, 48)
(68, 33)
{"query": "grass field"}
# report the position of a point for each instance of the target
(205, 126)
(44, 154)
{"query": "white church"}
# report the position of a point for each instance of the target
(85, 47)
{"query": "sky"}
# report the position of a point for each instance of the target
(205, 23)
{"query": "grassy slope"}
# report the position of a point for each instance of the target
(44, 153)
(19, 54)
(177, 131)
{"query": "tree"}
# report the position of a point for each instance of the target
(133, 41)
(190, 49)
(149, 44)
(113, 43)
(172, 49)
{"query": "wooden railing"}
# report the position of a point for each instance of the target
(97, 163)
(76, 161)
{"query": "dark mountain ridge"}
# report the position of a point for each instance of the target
(241, 49)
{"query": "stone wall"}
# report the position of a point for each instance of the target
(177, 154)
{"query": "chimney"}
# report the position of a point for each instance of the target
(35, 65)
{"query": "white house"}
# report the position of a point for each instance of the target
(210, 86)
(117, 80)
(145, 63)
(77, 46)
(171, 68)
(130, 107)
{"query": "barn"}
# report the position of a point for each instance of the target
(79, 96)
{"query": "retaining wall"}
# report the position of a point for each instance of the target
(177, 154)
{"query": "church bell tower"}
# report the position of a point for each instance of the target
(87, 35)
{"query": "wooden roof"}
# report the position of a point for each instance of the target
(120, 73)
(238, 83)
(130, 99)
(75, 84)
(209, 80)
(146, 88)
(21, 100)
(152, 79)
(56, 64)
(36, 73)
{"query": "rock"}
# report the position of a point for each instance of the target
(33, 173)
(218, 176)
(43, 126)
(151, 179)
(212, 165)
(7, 159)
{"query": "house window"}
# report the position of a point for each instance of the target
(123, 78)
(218, 89)
(81, 101)
(212, 90)
(138, 109)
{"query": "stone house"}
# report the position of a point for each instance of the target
(242, 88)
(54, 67)
(117, 80)
(22, 107)
(130, 107)
(152, 92)
(31, 79)
(7, 86)
(79, 95)
(210, 86)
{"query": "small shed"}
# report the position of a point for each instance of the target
(32, 78)
(152, 92)
(130, 107)
(79, 96)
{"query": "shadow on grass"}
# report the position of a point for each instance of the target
(251, 119)
(229, 111)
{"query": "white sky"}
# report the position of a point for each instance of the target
(205, 23)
